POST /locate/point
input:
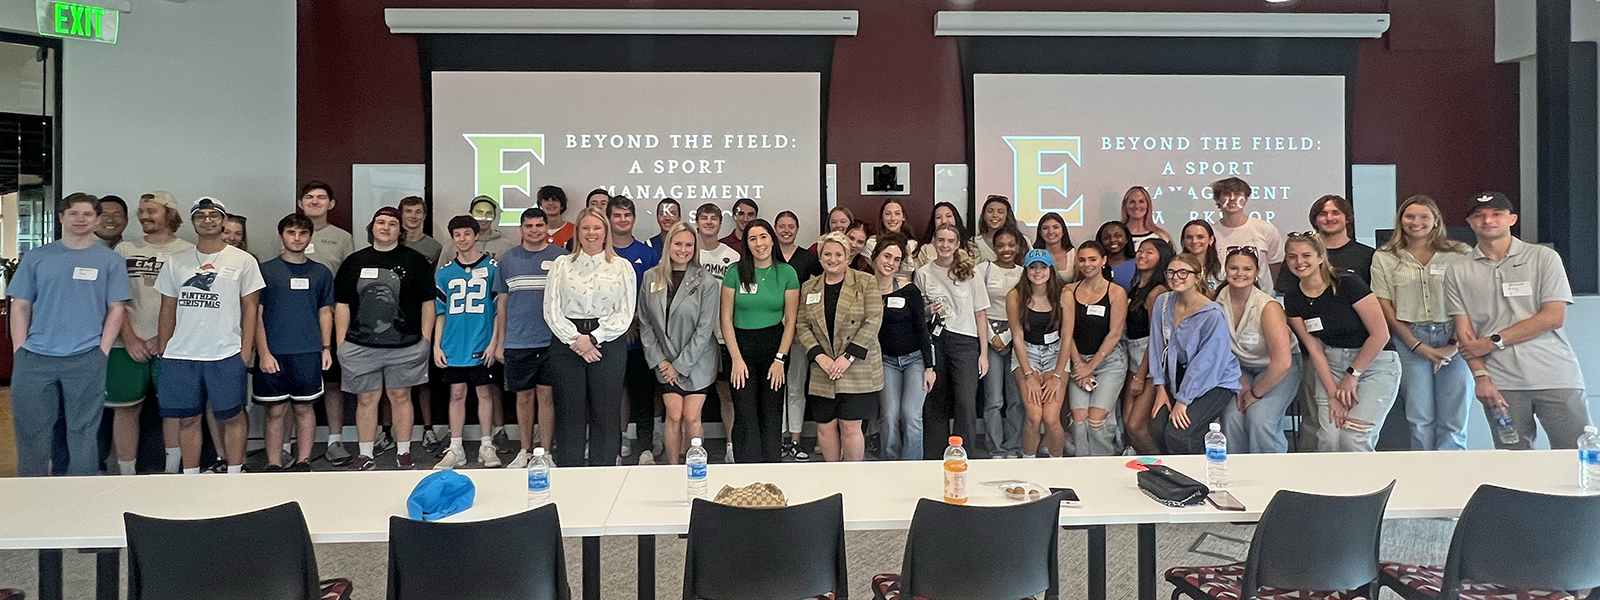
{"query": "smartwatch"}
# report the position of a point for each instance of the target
(1499, 344)
(1352, 370)
(781, 357)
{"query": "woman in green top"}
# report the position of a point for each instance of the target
(760, 297)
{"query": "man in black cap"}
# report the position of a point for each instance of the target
(1508, 303)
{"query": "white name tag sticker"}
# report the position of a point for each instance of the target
(1436, 269)
(311, 249)
(1052, 337)
(813, 298)
(229, 272)
(748, 288)
(480, 273)
(1314, 324)
(369, 273)
(897, 302)
(1250, 338)
(546, 264)
(85, 273)
(299, 283)
(1514, 289)
(1095, 310)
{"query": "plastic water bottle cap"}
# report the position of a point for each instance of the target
(538, 451)
(955, 440)
(694, 442)
(1216, 427)
(1590, 429)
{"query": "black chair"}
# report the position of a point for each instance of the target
(978, 553)
(1511, 544)
(519, 556)
(1305, 546)
(763, 553)
(261, 555)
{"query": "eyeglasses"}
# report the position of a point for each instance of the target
(1179, 274)
(208, 216)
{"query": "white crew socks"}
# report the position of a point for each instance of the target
(192, 471)
(174, 460)
(404, 447)
(365, 448)
(286, 448)
(485, 442)
(235, 469)
(127, 467)
(455, 444)
(334, 438)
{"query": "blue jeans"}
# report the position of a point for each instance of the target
(1000, 391)
(1437, 404)
(902, 407)
(1259, 429)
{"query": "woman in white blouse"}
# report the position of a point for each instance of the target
(1408, 279)
(588, 304)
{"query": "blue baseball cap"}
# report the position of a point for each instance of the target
(440, 495)
(1039, 255)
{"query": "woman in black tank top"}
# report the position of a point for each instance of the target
(1036, 310)
(1138, 400)
(1099, 310)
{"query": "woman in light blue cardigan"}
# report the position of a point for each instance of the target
(677, 318)
(1191, 361)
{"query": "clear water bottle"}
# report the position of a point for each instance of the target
(538, 479)
(955, 472)
(1216, 458)
(1589, 458)
(696, 459)
(1503, 429)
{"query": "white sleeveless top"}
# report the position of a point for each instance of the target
(1249, 345)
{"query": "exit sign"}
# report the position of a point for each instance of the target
(77, 21)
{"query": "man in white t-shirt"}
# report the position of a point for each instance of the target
(716, 257)
(1238, 229)
(207, 333)
(133, 362)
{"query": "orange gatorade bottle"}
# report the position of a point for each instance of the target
(955, 472)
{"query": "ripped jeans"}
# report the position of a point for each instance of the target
(1375, 395)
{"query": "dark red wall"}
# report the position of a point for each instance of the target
(1429, 97)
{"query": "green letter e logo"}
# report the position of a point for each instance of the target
(491, 177)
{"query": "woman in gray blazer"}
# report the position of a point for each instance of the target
(677, 320)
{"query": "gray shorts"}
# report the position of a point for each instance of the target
(1136, 351)
(367, 369)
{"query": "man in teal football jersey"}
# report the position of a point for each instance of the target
(464, 333)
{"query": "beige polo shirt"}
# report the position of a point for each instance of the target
(1495, 295)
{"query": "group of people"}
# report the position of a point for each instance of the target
(1131, 341)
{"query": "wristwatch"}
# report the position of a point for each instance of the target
(781, 357)
(1499, 344)
(1352, 370)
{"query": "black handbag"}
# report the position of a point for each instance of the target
(1162, 484)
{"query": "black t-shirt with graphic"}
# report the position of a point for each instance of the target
(386, 292)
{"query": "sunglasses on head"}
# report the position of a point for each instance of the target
(1235, 250)
(1302, 234)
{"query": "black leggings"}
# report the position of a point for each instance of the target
(954, 394)
(758, 426)
(1202, 412)
(588, 400)
(641, 398)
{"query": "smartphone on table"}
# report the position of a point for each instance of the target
(1069, 498)
(1224, 500)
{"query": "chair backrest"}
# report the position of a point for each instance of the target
(762, 553)
(261, 555)
(519, 556)
(981, 552)
(1318, 543)
(1525, 540)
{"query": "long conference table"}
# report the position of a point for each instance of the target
(54, 514)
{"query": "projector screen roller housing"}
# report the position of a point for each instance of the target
(694, 137)
(1073, 144)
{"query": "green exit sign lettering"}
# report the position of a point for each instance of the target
(77, 21)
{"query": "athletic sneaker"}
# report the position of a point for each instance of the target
(430, 441)
(488, 456)
(404, 460)
(521, 461)
(363, 463)
(646, 458)
(453, 459)
(730, 453)
(626, 449)
(800, 454)
(384, 443)
(299, 466)
(337, 455)
(502, 442)
(272, 468)
(220, 466)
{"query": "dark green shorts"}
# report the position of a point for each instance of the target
(128, 381)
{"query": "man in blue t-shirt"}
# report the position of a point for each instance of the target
(67, 306)
(464, 333)
(640, 377)
(525, 337)
(668, 213)
(296, 341)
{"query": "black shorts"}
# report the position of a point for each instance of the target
(724, 368)
(672, 388)
(333, 373)
(850, 407)
(474, 376)
(526, 368)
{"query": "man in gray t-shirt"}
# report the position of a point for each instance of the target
(1508, 303)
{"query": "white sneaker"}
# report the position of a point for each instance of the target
(646, 458)
(730, 453)
(521, 461)
(454, 458)
(626, 450)
(487, 456)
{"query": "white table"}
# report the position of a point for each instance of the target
(51, 514)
